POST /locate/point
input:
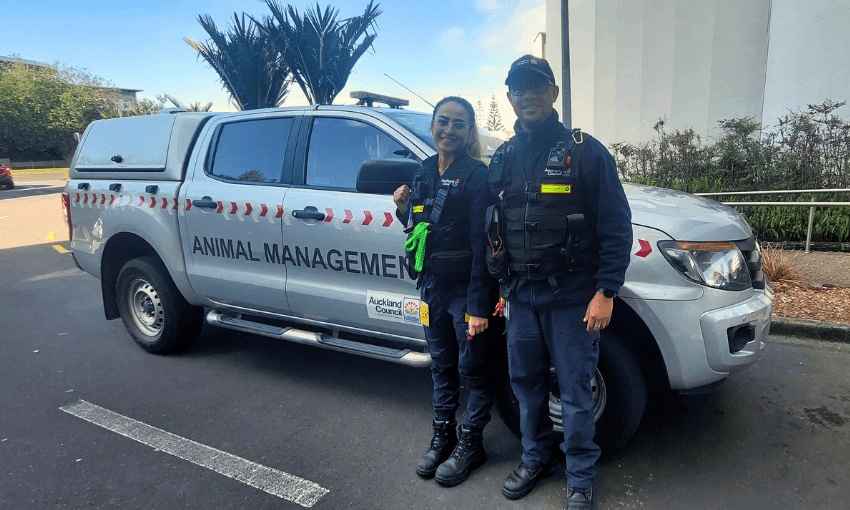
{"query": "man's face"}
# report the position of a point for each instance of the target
(532, 97)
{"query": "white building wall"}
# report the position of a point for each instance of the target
(690, 62)
(809, 56)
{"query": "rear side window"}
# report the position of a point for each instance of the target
(339, 146)
(252, 150)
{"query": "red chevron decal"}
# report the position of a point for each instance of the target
(368, 218)
(389, 217)
(112, 199)
(233, 207)
(263, 210)
(175, 204)
(85, 198)
(248, 209)
(348, 216)
(102, 199)
(220, 207)
(164, 202)
(188, 204)
(329, 216)
(141, 201)
(153, 202)
(279, 211)
(645, 249)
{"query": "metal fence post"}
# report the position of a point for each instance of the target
(811, 221)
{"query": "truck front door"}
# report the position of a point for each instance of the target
(344, 250)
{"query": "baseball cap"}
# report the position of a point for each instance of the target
(532, 63)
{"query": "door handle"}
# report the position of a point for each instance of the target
(206, 203)
(307, 214)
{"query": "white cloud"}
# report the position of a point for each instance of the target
(453, 40)
(489, 6)
(513, 30)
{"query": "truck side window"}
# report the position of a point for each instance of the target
(251, 151)
(339, 146)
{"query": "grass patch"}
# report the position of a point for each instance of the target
(781, 266)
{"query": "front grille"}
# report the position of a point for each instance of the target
(752, 254)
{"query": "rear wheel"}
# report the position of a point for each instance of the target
(154, 312)
(619, 396)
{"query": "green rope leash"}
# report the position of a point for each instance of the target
(417, 242)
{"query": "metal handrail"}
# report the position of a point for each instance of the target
(811, 205)
(775, 192)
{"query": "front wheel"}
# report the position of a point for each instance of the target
(619, 396)
(154, 312)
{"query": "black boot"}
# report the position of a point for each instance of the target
(468, 455)
(442, 444)
(579, 499)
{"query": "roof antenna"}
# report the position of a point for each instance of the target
(414, 93)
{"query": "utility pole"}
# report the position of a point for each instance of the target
(566, 96)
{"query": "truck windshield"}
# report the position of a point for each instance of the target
(418, 123)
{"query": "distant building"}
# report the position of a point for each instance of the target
(695, 62)
(126, 98)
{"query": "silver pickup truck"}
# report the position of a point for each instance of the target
(280, 223)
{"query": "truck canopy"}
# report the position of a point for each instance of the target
(148, 147)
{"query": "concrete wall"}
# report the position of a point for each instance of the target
(690, 62)
(809, 57)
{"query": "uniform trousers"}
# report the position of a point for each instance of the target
(540, 332)
(453, 357)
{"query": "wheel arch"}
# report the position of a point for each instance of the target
(120, 249)
(626, 323)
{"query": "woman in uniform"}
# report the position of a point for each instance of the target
(444, 211)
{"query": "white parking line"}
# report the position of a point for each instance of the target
(58, 274)
(277, 483)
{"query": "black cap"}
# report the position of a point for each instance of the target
(532, 63)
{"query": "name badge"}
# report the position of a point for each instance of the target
(556, 188)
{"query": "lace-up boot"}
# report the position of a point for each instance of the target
(442, 445)
(468, 455)
(579, 499)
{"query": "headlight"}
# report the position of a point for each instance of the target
(717, 264)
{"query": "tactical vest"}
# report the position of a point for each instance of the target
(448, 255)
(540, 222)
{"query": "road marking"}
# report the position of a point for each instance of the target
(58, 274)
(277, 483)
(60, 248)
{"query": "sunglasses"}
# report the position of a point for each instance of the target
(538, 87)
(458, 124)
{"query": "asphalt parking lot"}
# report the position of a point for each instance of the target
(89, 420)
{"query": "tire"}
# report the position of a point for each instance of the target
(619, 391)
(154, 312)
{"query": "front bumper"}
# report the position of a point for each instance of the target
(719, 325)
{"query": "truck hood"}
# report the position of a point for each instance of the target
(683, 216)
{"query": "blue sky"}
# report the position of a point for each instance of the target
(435, 48)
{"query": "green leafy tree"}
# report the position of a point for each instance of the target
(248, 64)
(319, 48)
(41, 108)
(494, 120)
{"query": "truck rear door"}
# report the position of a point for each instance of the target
(344, 250)
(233, 210)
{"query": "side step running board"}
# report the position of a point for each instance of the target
(402, 356)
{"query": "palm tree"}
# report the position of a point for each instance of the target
(321, 50)
(248, 64)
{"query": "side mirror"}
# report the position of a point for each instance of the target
(383, 176)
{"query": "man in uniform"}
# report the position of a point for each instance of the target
(560, 238)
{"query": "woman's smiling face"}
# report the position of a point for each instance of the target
(450, 127)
